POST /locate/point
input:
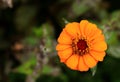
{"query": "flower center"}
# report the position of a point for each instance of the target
(80, 46)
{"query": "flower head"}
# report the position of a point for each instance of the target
(81, 45)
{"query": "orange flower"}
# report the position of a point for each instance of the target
(81, 45)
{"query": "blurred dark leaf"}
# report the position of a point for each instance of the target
(79, 7)
(111, 31)
(31, 41)
(114, 51)
(19, 77)
(28, 66)
(112, 38)
(93, 70)
(38, 32)
(24, 17)
(65, 21)
(47, 69)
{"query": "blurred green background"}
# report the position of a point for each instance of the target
(29, 30)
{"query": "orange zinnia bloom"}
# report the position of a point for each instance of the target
(81, 45)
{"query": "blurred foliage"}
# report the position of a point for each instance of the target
(29, 30)
(29, 66)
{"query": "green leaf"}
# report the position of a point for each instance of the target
(79, 8)
(38, 32)
(114, 51)
(115, 15)
(46, 69)
(112, 38)
(63, 77)
(93, 70)
(30, 40)
(65, 21)
(27, 67)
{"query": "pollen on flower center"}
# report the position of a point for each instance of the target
(80, 46)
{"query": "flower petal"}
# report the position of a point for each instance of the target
(97, 55)
(62, 60)
(92, 32)
(99, 38)
(81, 65)
(73, 29)
(82, 27)
(65, 54)
(72, 62)
(89, 60)
(62, 47)
(99, 46)
(64, 38)
(90, 28)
